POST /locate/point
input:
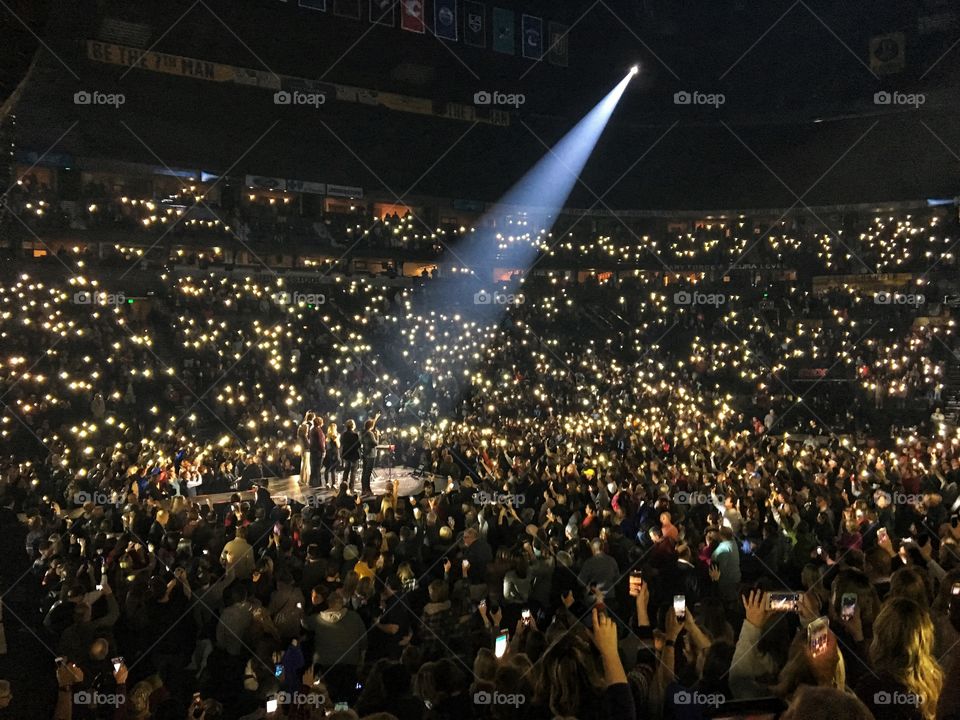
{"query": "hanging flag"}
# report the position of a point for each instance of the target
(381, 12)
(887, 55)
(503, 41)
(411, 15)
(347, 8)
(474, 24)
(445, 19)
(532, 32)
(320, 5)
(558, 47)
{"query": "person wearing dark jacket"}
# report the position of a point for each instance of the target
(685, 578)
(476, 556)
(318, 450)
(368, 442)
(77, 638)
(388, 691)
(439, 628)
(350, 453)
(339, 642)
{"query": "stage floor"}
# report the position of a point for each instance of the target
(290, 488)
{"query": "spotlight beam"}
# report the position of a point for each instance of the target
(543, 190)
(539, 196)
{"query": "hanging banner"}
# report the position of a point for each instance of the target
(381, 12)
(166, 63)
(411, 16)
(558, 47)
(471, 113)
(347, 8)
(261, 182)
(887, 53)
(474, 24)
(193, 68)
(445, 19)
(532, 33)
(306, 186)
(941, 19)
(503, 31)
(305, 85)
(344, 191)
(320, 5)
(254, 78)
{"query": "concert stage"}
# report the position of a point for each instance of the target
(290, 488)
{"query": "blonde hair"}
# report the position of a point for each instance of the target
(903, 640)
(405, 572)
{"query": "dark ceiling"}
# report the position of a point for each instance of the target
(798, 120)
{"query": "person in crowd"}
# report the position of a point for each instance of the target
(599, 574)
(339, 639)
(726, 556)
(477, 556)
(538, 495)
(907, 678)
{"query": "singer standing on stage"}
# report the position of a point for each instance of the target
(303, 440)
(369, 440)
(350, 449)
(318, 450)
(331, 462)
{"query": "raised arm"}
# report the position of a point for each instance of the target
(605, 638)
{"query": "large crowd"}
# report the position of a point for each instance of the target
(629, 503)
(218, 221)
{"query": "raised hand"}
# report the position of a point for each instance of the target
(604, 633)
(755, 605)
(674, 626)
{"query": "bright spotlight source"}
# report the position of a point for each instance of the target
(635, 69)
(536, 198)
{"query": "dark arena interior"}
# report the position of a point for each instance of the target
(479, 359)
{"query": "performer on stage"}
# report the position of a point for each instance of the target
(303, 440)
(369, 440)
(318, 451)
(331, 462)
(350, 449)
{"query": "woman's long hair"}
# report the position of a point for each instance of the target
(907, 582)
(568, 676)
(903, 642)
